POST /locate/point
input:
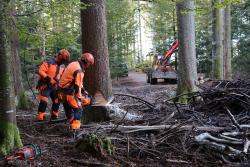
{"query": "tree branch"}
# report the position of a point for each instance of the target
(141, 100)
(233, 119)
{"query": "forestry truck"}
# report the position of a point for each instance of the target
(161, 69)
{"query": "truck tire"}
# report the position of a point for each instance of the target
(173, 81)
(153, 81)
(148, 77)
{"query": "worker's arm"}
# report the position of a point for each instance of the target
(78, 83)
(43, 69)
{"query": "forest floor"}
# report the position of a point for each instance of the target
(167, 147)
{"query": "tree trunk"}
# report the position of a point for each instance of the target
(94, 40)
(9, 134)
(15, 61)
(228, 44)
(213, 20)
(97, 79)
(219, 34)
(187, 74)
(139, 33)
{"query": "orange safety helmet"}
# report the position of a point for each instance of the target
(64, 55)
(87, 58)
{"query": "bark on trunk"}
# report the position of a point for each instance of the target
(97, 79)
(9, 134)
(213, 20)
(219, 34)
(94, 40)
(15, 61)
(187, 74)
(228, 44)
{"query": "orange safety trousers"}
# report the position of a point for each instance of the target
(51, 69)
(73, 108)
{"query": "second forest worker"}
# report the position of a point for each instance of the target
(70, 86)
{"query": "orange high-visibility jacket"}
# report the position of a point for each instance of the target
(52, 69)
(73, 75)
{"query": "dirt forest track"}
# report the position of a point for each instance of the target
(135, 84)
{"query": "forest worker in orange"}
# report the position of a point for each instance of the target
(50, 72)
(70, 86)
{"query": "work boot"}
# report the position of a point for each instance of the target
(75, 124)
(40, 116)
(54, 115)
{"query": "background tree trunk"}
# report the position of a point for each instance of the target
(9, 134)
(219, 34)
(15, 60)
(187, 74)
(228, 44)
(94, 40)
(213, 32)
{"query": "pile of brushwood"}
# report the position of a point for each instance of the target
(213, 129)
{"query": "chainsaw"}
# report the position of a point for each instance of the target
(27, 152)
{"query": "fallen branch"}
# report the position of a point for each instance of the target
(118, 123)
(206, 136)
(177, 107)
(130, 129)
(230, 151)
(141, 100)
(177, 161)
(245, 127)
(246, 146)
(233, 134)
(233, 119)
(233, 163)
(230, 138)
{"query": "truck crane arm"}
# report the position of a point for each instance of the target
(173, 47)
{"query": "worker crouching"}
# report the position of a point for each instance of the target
(50, 72)
(70, 85)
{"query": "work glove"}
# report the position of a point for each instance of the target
(47, 80)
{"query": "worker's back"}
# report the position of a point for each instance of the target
(68, 74)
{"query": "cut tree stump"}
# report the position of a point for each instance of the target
(97, 112)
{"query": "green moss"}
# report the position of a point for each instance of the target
(9, 138)
(184, 94)
(182, 99)
(107, 145)
(92, 143)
